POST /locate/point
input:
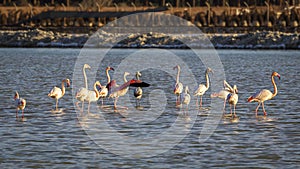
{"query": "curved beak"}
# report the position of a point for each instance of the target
(68, 84)
(278, 76)
(111, 69)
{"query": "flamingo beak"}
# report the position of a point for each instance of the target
(278, 75)
(111, 69)
(68, 84)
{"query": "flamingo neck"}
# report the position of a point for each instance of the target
(275, 87)
(108, 76)
(85, 78)
(96, 91)
(17, 96)
(63, 87)
(207, 80)
(125, 80)
(178, 72)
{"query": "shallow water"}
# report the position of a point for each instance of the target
(68, 139)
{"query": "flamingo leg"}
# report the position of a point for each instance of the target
(230, 110)
(224, 106)
(115, 103)
(102, 101)
(265, 113)
(89, 107)
(200, 101)
(22, 113)
(234, 110)
(82, 106)
(257, 108)
(197, 101)
(56, 104)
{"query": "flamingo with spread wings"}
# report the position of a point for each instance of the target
(116, 91)
(225, 92)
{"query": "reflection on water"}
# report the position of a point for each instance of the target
(56, 138)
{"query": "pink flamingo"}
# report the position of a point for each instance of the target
(57, 93)
(178, 88)
(93, 95)
(232, 99)
(263, 95)
(203, 88)
(138, 92)
(186, 98)
(20, 104)
(103, 91)
(82, 93)
(116, 91)
(224, 93)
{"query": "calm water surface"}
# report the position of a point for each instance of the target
(46, 138)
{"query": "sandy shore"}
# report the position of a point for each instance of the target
(254, 40)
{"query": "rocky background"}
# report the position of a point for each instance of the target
(254, 40)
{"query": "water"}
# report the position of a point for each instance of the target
(46, 138)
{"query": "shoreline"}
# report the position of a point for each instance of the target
(37, 38)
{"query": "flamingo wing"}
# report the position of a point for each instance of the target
(55, 92)
(201, 90)
(82, 93)
(260, 96)
(178, 88)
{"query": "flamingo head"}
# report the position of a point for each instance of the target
(110, 68)
(98, 84)
(16, 95)
(126, 73)
(68, 82)
(209, 70)
(235, 89)
(276, 74)
(86, 66)
(176, 67)
(138, 74)
(187, 89)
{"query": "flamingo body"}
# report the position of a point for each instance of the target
(186, 98)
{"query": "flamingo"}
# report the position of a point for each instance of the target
(186, 98)
(103, 91)
(20, 104)
(93, 95)
(232, 99)
(82, 93)
(224, 93)
(178, 88)
(57, 93)
(264, 95)
(203, 88)
(138, 92)
(116, 91)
